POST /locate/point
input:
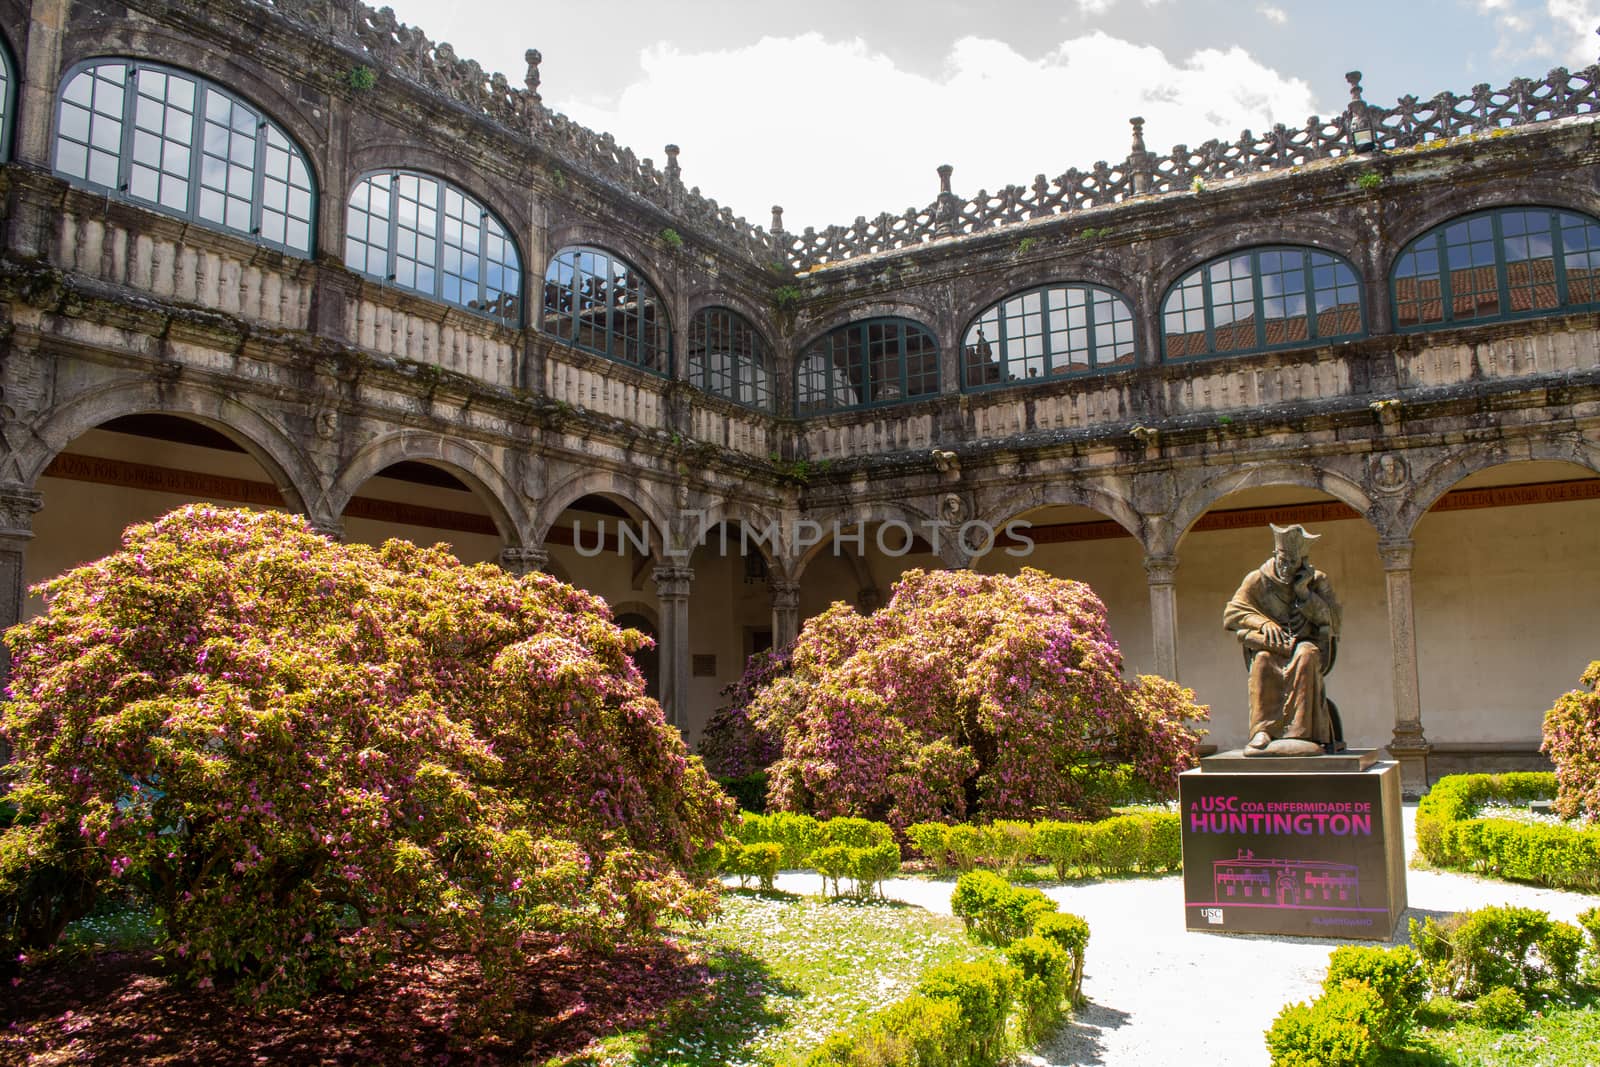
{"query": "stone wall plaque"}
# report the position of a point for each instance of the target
(1316, 853)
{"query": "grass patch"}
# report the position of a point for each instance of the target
(787, 971)
(1558, 1035)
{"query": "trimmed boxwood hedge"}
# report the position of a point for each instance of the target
(1450, 834)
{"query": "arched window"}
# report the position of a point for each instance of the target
(1498, 264)
(728, 358)
(601, 304)
(174, 141)
(1046, 333)
(1259, 300)
(875, 361)
(8, 98)
(425, 234)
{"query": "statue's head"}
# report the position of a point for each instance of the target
(1291, 545)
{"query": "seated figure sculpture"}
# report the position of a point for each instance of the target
(1286, 618)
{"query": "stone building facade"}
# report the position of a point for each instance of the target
(295, 254)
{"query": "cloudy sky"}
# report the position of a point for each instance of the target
(839, 108)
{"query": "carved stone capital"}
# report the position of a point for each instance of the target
(785, 595)
(523, 560)
(1161, 570)
(672, 580)
(1396, 555)
(332, 529)
(17, 506)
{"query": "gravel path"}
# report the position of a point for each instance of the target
(1160, 994)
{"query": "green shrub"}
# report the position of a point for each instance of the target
(1474, 951)
(915, 1032)
(1007, 843)
(932, 842)
(1117, 844)
(855, 833)
(868, 867)
(1164, 847)
(1394, 974)
(1450, 835)
(759, 861)
(1442, 1011)
(1065, 845)
(994, 911)
(983, 992)
(1071, 932)
(1501, 1008)
(1044, 980)
(750, 791)
(753, 827)
(965, 844)
(798, 834)
(1331, 1031)
(833, 863)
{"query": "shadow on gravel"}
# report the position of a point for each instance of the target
(1078, 1043)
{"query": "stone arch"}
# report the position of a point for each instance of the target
(292, 470)
(146, 41)
(974, 301)
(619, 487)
(656, 268)
(1439, 478)
(1185, 254)
(1051, 494)
(778, 562)
(1412, 222)
(474, 465)
(1197, 501)
(492, 190)
(925, 315)
(870, 513)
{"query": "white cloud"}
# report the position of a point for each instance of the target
(1577, 18)
(852, 134)
(1273, 14)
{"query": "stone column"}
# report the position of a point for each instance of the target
(672, 592)
(785, 611)
(332, 529)
(1161, 574)
(17, 506)
(1408, 746)
(520, 561)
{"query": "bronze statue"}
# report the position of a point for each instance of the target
(1287, 619)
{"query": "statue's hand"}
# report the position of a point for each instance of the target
(1277, 638)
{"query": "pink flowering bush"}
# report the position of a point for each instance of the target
(968, 695)
(732, 745)
(1572, 741)
(309, 752)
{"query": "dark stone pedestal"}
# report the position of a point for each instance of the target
(1311, 846)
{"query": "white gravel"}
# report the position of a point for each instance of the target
(1160, 994)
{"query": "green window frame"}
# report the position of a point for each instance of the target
(598, 302)
(1048, 332)
(729, 358)
(170, 140)
(1503, 263)
(870, 363)
(1262, 300)
(8, 98)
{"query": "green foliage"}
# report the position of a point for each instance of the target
(748, 791)
(966, 845)
(1117, 844)
(1449, 833)
(1369, 181)
(1394, 974)
(306, 752)
(855, 833)
(1026, 245)
(996, 912)
(1065, 845)
(785, 298)
(759, 861)
(1164, 842)
(1501, 1008)
(932, 842)
(1090, 233)
(671, 238)
(915, 1032)
(1471, 952)
(983, 993)
(1044, 971)
(1007, 843)
(361, 78)
(858, 849)
(1331, 1031)
(1572, 740)
(1071, 933)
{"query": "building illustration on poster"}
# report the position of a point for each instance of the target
(1285, 883)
